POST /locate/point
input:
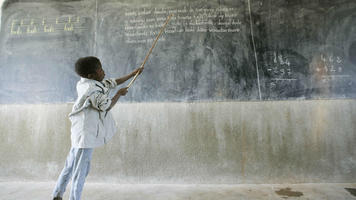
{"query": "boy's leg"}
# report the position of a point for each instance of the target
(65, 175)
(81, 167)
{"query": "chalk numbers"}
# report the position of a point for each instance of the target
(330, 68)
(30, 26)
(280, 67)
(330, 64)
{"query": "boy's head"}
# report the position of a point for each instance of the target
(89, 67)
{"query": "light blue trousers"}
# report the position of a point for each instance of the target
(77, 167)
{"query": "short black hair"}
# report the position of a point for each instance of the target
(87, 65)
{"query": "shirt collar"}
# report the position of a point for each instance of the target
(88, 80)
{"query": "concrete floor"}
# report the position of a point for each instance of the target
(102, 191)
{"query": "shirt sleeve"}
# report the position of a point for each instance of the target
(100, 101)
(110, 83)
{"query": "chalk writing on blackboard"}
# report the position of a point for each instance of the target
(280, 67)
(331, 64)
(141, 24)
(330, 67)
(32, 26)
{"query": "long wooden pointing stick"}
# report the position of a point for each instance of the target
(149, 53)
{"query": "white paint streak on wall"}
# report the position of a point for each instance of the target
(1, 2)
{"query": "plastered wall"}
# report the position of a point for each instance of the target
(217, 142)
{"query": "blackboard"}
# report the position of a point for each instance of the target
(211, 50)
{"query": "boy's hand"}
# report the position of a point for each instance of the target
(122, 91)
(130, 75)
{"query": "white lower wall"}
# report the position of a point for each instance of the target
(220, 142)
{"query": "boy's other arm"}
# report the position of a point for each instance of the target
(121, 92)
(127, 77)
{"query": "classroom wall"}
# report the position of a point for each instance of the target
(186, 142)
(205, 142)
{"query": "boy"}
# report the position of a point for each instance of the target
(92, 123)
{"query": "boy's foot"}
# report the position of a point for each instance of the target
(57, 198)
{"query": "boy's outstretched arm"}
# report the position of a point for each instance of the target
(119, 93)
(127, 77)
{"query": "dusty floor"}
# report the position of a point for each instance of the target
(96, 191)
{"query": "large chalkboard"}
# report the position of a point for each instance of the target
(211, 50)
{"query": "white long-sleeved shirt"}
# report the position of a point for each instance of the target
(92, 125)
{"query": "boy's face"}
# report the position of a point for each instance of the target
(99, 74)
